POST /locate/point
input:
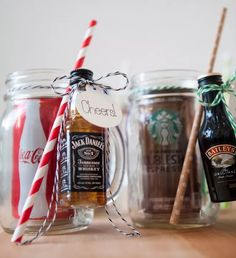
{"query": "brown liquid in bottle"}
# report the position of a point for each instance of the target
(77, 125)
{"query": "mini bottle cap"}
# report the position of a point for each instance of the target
(210, 78)
(83, 73)
(208, 75)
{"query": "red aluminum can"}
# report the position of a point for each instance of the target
(30, 132)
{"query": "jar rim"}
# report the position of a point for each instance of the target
(25, 82)
(161, 81)
(155, 74)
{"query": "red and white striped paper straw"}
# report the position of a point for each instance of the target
(51, 142)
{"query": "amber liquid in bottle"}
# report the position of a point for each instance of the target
(87, 171)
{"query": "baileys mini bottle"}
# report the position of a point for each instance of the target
(217, 145)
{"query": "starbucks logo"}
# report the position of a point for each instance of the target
(165, 127)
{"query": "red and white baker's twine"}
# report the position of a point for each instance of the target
(51, 142)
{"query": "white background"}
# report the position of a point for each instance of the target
(132, 35)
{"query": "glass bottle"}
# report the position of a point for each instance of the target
(217, 145)
(83, 175)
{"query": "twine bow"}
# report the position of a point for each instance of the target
(225, 87)
(77, 82)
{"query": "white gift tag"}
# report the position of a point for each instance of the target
(98, 108)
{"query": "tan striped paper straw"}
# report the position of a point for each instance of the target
(184, 176)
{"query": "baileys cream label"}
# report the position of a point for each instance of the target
(222, 155)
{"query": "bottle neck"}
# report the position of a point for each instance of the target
(73, 109)
(209, 98)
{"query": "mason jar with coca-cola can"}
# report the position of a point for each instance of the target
(31, 107)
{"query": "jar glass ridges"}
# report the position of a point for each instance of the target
(25, 125)
(162, 106)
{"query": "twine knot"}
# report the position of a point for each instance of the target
(77, 82)
(224, 88)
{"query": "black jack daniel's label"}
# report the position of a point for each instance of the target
(83, 163)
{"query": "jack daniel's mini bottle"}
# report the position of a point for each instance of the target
(82, 163)
(217, 145)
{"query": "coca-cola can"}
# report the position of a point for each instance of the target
(30, 132)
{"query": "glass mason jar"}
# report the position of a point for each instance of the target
(162, 107)
(31, 107)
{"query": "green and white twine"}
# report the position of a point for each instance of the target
(157, 89)
(224, 88)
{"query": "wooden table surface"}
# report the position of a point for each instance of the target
(101, 240)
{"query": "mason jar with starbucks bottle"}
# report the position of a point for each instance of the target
(162, 107)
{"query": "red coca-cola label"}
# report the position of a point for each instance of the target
(32, 157)
(28, 149)
(17, 132)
